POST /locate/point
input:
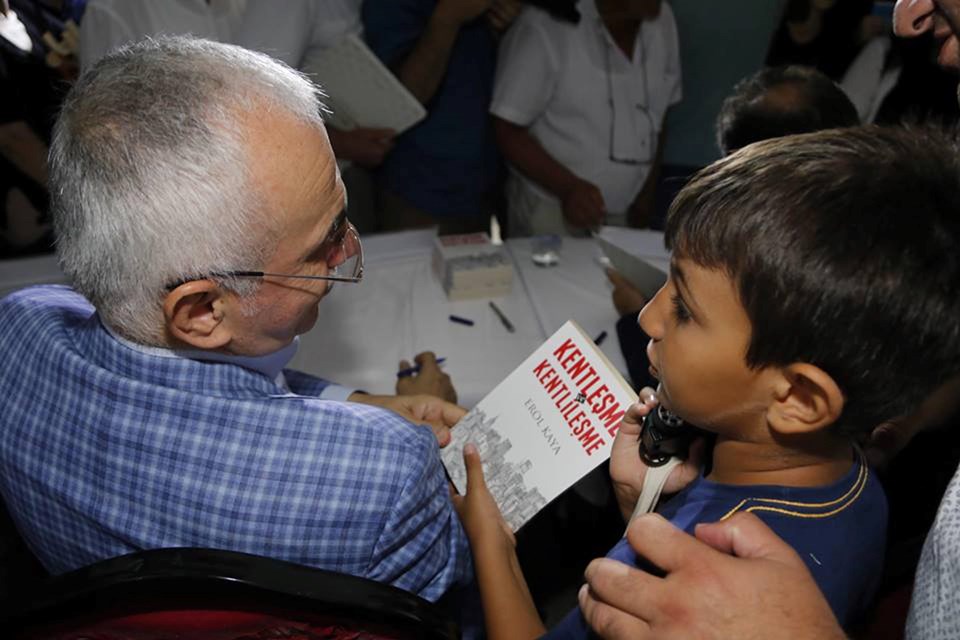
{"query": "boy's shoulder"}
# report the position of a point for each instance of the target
(838, 529)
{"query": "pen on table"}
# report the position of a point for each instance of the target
(461, 320)
(503, 318)
(409, 371)
(600, 338)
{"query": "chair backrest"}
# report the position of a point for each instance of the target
(18, 566)
(211, 594)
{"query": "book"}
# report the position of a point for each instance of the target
(643, 265)
(545, 426)
(360, 90)
(470, 266)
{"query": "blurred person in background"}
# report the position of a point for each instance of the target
(443, 171)
(302, 30)
(578, 114)
(108, 24)
(33, 78)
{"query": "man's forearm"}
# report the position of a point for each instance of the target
(423, 70)
(524, 152)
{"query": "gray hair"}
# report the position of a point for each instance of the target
(150, 177)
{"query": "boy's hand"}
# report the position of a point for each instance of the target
(478, 511)
(627, 470)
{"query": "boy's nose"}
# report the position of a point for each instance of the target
(913, 17)
(648, 319)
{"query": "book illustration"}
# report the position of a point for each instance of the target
(360, 90)
(549, 423)
(505, 479)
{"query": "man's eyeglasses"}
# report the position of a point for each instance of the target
(341, 251)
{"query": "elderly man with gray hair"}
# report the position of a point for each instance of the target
(199, 216)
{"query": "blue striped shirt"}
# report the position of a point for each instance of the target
(107, 449)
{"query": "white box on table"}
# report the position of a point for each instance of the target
(470, 266)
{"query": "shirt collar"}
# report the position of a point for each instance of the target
(270, 365)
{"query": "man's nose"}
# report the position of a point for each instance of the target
(913, 17)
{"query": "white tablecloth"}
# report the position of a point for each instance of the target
(400, 309)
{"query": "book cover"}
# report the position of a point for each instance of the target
(361, 91)
(642, 271)
(545, 426)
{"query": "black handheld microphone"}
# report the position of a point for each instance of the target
(663, 436)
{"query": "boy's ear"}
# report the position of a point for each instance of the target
(195, 314)
(807, 399)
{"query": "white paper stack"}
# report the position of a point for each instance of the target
(469, 266)
(361, 91)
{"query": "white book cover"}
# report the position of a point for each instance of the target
(644, 264)
(545, 426)
(361, 91)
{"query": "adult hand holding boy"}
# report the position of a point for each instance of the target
(749, 585)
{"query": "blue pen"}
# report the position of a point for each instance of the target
(409, 371)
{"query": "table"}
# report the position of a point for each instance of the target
(400, 309)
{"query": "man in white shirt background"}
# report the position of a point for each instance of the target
(108, 24)
(578, 113)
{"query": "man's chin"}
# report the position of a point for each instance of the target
(309, 321)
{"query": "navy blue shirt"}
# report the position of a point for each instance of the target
(447, 163)
(839, 530)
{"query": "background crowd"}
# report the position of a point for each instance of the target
(551, 116)
(542, 117)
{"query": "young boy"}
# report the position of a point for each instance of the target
(814, 292)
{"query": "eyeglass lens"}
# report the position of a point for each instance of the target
(343, 252)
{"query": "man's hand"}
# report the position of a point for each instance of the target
(460, 12)
(430, 380)
(583, 205)
(502, 13)
(761, 589)
(438, 414)
(626, 297)
(627, 470)
(366, 147)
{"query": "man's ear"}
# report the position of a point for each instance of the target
(194, 314)
(807, 399)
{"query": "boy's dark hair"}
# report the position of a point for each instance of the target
(781, 101)
(844, 246)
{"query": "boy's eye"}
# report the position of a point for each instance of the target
(680, 311)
